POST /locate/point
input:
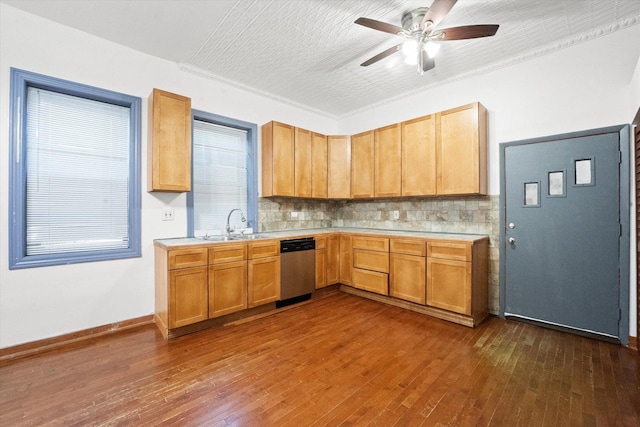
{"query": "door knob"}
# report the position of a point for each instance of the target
(511, 240)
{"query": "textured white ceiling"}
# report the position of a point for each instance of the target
(308, 52)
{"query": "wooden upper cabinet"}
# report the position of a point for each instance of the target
(303, 163)
(388, 161)
(362, 160)
(461, 140)
(339, 167)
(278, 159)
(318, 166)
(419, 156)
(169, 147)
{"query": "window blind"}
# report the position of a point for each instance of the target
(219, 176)
(77, 167)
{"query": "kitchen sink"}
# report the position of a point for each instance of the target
(221, 238)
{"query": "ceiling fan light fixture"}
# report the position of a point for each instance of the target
(431, 48)
(411, 59)
(410, 47)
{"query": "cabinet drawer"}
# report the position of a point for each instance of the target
(183, 258)
(408, 246)
(263, 249)
(321, 242)
(371, 243)
(371, 260)
(227, 253)
(371, 281)
(449, 250)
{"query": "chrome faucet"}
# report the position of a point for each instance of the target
(243, 219)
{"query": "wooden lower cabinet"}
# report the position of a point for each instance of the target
(371, 260)
(372, 281)
(187, 296)
(346, 260)
(321, 268)
(449, 285)
(444, 278)
(333, 259)
(457, 277)
(264, 281)
(227, 288)
(407, 277)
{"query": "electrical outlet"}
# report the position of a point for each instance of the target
(168, 214)
(396, 214)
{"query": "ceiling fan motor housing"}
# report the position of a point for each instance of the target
(411, 20)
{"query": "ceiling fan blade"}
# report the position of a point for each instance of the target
(380, 26)
(465, 32)
(381, 55)
(437, 11)
(427, 62)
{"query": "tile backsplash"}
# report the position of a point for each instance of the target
(471, 214)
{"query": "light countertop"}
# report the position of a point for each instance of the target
(287, 234)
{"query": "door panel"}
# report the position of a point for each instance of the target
(562, 228)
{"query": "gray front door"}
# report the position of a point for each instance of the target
(561, 239)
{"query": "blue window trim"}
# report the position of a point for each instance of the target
(252, 166)
(21, 80)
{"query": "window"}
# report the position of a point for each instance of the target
(224, 174)
(74, 190)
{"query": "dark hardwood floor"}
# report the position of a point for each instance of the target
(338, 360)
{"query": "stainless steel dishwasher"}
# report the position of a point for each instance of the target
(297, 270)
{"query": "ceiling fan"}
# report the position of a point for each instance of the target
(419, 28)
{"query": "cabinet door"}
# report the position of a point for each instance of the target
(333, 259)
(169, 150)
(419, 156)
(407, 277)
(277, 159)
(346, 260)
(321, 268)
(318, 166)
(187, 296)
(372, 281)
(362, 160)
(302, 167)
(264, 281)
(227, 288)
(449, 285)
(461, 135)
(388, 161)
(339, 167)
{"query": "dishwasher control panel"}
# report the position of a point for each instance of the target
(295, 245)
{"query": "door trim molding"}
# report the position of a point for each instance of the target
(624, 138)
